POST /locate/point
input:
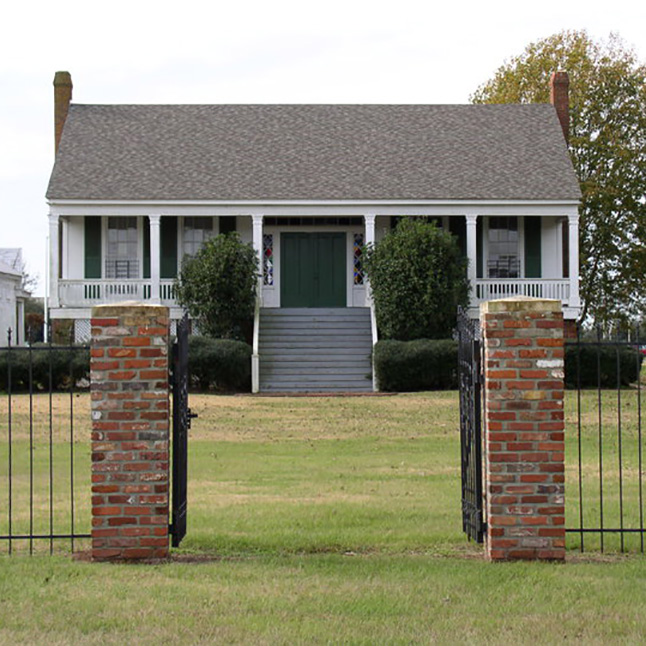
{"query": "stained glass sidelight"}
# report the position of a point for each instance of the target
(357, 257)
(268, 259)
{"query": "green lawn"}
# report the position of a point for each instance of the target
(321, 521)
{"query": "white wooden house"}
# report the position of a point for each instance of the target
(12, 297)
(137, 187)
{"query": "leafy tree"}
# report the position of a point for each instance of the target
(608, 150)
(418, 279)
(218, 286)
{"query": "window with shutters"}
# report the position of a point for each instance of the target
(122, 259)
(503, 257)
(197, 230)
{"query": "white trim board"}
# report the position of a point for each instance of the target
(321, 209)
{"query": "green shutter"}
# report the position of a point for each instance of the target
(146, 247)
(227, 224)
(92, 246)
(458, 227)
(565, 241)
(532, 246)
(479, 247)
(168, 246)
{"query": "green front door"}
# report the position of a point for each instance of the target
(312, 270)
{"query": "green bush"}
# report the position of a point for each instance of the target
(219, 364)
(585, 360)
(418, 278)
(424, 364)
(62, 362)
(217, 286)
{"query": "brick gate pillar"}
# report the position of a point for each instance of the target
(524, 428)
(130, 431)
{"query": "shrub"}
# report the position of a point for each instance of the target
(424, 364)
(218, 286)
(219, 364)
(62, 361)
(418, 278)
(585, 360)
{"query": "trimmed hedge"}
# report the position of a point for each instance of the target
(408, 366)
(424, 364)
(219, 364)
(214, 364)
(400, 366)
(61, 359)
(590, 358)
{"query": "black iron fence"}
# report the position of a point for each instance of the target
(469, 373)
(604, 442)
(44, 419)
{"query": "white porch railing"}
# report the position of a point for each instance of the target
(85, 293)
(494, 288)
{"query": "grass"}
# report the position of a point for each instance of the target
(321, 521)
(288, 475)
(321, 599)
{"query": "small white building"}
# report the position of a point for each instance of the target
(12, 297)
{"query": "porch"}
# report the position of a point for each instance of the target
(513, 250)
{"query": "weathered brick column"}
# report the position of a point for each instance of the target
(524, 428)
(130, 432)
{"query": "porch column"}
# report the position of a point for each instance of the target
(155, 256)
(573, 223)
(472, 252)
(369, 238)
(54, 260)
(21, 333)
(370, 228)
(255, 357)
(257, 245)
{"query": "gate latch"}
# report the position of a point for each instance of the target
(190, 416)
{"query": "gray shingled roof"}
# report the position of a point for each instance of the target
(318, 152)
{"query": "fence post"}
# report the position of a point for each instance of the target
(524, 428)
(130, 431)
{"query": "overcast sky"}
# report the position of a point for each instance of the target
(271, 51)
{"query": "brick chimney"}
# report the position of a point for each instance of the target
(560, 99)
(62, 98)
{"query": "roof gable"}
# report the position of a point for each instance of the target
(313, 152)
(11, 261)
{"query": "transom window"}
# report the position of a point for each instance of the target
(122, 259)
(504, 259)
(305, 221)
(197, 230)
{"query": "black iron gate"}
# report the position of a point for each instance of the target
(469, 371)
(181, 423)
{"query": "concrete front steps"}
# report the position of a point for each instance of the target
(315, 350)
